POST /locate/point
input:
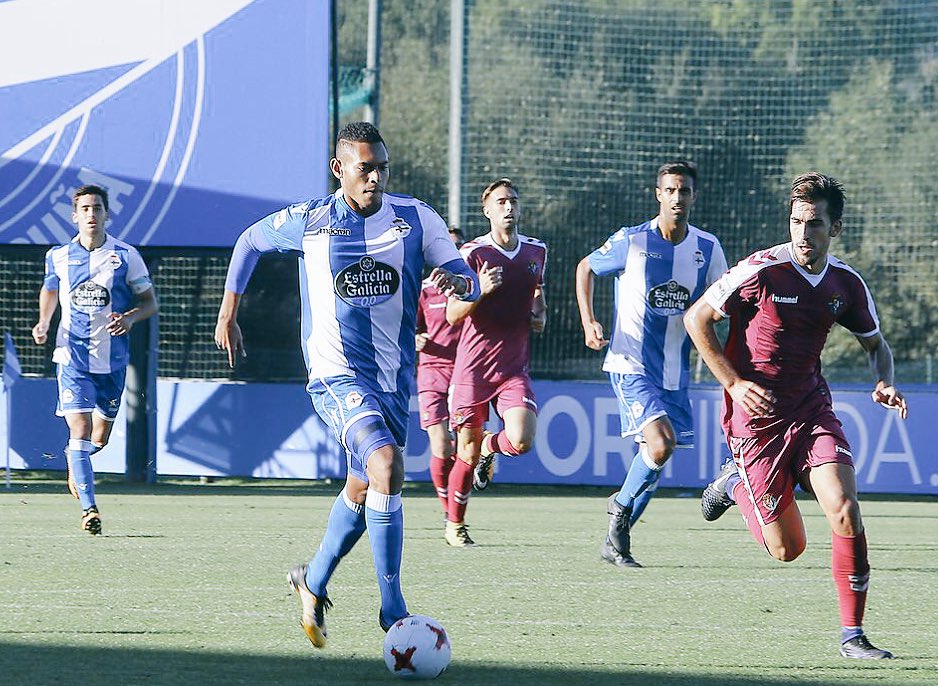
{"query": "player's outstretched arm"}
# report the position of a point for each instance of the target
(882, 365)
(48, 301)
(592, 329)
(700, 321)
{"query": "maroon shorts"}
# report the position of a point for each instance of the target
(771, 461)
(433, 394)
(470, 402)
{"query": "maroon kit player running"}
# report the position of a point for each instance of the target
(436, 342)
(494, 350)
(777, 409)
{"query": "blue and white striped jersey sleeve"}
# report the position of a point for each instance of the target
(610, 257)
(718, 264)
(50, 280)
(284, 229)
(138, 277)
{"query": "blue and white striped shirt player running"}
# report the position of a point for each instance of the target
(92, 284)
(655, 282)
(363, 255)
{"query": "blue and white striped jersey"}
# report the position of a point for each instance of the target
(92, 284)
(656, 281)
(360, 279)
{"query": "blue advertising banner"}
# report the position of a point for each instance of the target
(198, 117)
(270, 430)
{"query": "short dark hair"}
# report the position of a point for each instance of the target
(815, 186)
(359, 132)
(497, 183)
(90, 189)
(457, 231)
(680, 167)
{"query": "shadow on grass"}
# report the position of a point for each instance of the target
(39, 665)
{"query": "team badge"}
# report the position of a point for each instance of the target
(769, 502)
(532, 267)
(637, 409)
(458, 419)
(836, 303)
(401, 228)
(67, 396)
(699, 259)
(114, 260)
(353, 400)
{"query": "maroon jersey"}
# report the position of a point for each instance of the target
(495, 343)
(780, 317)
(440, 350)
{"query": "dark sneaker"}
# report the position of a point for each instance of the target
(617, 548)
(485, 468)
(313, 620)
(715, 501)
(91, 520)
(861, 648)
(457, 535)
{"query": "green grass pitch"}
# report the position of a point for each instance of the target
(187, 586)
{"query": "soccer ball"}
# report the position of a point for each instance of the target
(417, 647)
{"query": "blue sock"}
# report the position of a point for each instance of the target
(385, 517)
(346, 525)
(641, 502)
(79, 462)
(848, 633)
(640, 477)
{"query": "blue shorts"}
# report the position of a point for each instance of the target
(641, 402)
(83, 391)
(363, 418)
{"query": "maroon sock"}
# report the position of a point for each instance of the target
(502, 445)
(460, 486)
(439, 474)
(748, 509)
(851, 569)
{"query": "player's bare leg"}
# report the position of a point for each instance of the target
(515, 439)
(834, 486)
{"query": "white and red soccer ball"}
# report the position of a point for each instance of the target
(417, 647)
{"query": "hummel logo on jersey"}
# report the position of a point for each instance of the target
(785, 299)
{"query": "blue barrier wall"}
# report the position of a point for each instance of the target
(270, 430)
